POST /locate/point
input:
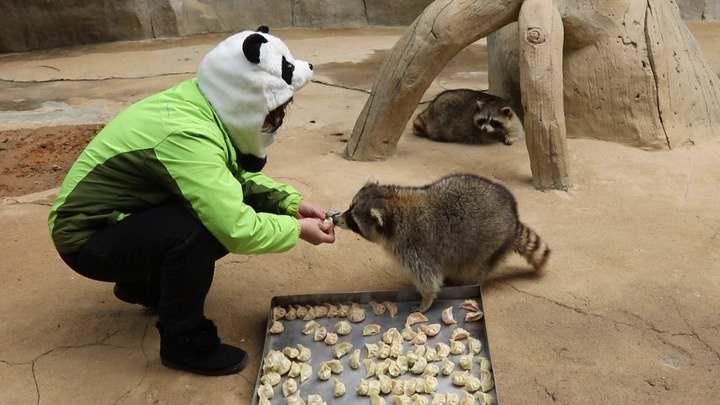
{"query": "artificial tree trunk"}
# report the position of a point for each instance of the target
(632, 72)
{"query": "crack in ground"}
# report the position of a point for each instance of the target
(99, 79)
(648, 325)
(145, 369)
(550, 394)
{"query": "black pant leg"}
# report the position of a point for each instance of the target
(166, 247)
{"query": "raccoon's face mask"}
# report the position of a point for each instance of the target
(492, 124)
(367, 215)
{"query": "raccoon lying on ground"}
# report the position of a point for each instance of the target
(469, 116)
(459, 227)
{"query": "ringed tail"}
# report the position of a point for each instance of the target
(529, 245)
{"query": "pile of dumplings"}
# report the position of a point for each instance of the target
(398, 366)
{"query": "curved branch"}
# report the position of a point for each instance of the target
(435, 37)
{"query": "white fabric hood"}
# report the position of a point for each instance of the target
(245, 77)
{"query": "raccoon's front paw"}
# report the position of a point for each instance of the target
(510, 140)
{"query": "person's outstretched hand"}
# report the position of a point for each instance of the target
(308, 210)
(316, 231)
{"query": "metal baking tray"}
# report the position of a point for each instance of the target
(405, 299)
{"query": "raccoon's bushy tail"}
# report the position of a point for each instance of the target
(531, 247)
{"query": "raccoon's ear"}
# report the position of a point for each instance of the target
(507, 112)
(377, 215)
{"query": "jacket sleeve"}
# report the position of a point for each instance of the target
(267, 195)
(198, 171)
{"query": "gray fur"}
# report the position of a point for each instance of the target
(459, 227)
(469, 116)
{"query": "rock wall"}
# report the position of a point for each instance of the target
(699, 9)
(37, 24)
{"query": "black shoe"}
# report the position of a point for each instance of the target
(200, 351)
(135, 293)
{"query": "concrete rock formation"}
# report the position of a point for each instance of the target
(37, 24)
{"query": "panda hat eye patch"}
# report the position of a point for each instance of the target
(287, 70)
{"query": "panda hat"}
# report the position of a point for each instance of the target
(245, 77)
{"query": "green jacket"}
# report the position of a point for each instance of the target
(171, 146)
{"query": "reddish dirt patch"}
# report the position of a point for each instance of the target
(34, 160)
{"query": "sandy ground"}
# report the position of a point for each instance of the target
(626, 313)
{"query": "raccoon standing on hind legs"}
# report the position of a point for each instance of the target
(469, 116)
(458, 227)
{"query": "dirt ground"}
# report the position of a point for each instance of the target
(626, 312)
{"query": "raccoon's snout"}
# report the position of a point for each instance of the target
(339, 220)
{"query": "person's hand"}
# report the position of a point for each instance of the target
(308, 210)
(316, 231)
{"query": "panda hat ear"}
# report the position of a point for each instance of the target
(264, 29)
(251, 47)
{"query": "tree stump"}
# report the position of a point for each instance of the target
(631, 73)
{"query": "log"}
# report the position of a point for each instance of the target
(443, 29)
(541, 84)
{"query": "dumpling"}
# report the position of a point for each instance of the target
(265, 391)
(324, 372)
(278, 313)
(291, 352)
(420, 400)
(484, 363)
(384, 351)
(276, 361)
(403, 364)
(343, 310)
(264, 401)
(271, 378)
(486, 398)
(474, 345)
(430, 384)
(315, 399)
(431, 355)
(356, 314)
(419, 339)
(332, 311)
(402, 400)
(339, 389)
(408, 333)
(457, 347)
(321, 311)
(459, 378)
(374, 387)
(398, 387)
(410, 387)
(304, 353)
(472, 384)
(466, 361)
(385, 384)
(295, 400)
(310, 314)
(371, 329)
(291, 314)
(447, 316)
(355, 359)
(335, 366)
(391, 336)
(470, 305)
(301, 311)
(277, 328)
(330, 339)
(343, 328)
(342, 349)
(419, 366)
(382, 367)
(486, 381)
(415, 317)
(377, 400)
(372, 350)
(289, 387)
(452, 399)
(392, 308)
(294, 370)
(439, 399)
(310, 327)
(420, 350)
(430, 330)
(473, 316)
(363, 388)
(447, 367)
(396, 350)
(467, 399)
(377, 308)
(459, 334)
(394, 369)
(320, 334)
(443, 350)
(432, 369)
(370, 367)
(305, 372)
